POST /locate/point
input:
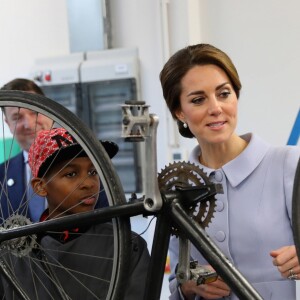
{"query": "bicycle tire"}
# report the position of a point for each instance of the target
(296, 210)
(62, 117)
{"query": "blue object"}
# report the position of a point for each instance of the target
(294, 137)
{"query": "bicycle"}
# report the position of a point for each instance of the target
(180, 189)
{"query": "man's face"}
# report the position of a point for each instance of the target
(24, 124)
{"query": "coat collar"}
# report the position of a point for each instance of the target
(238, 169)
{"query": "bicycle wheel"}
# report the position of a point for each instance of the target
(296, 210)
(73, 260)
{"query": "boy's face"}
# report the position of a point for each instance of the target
(74, 189)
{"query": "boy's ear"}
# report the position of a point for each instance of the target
(39, 186)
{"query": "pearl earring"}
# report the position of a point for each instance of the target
(185, 125)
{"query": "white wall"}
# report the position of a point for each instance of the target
(28, 30)
(137, 23)
(262, 37)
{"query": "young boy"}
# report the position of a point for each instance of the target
(75, 268)
(63, 180)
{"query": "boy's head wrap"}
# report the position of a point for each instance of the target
(57, 145)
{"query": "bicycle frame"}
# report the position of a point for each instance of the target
(172, 212)
(169, 208)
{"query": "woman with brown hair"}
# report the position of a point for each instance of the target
(252, 222)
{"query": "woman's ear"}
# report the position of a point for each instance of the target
(39, 186)
(180, 116)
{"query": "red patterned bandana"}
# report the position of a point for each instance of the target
(51, 146)
(47, 144)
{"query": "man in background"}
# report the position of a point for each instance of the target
(24, 125)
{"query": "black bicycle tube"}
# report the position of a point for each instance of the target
(88, 218)
(296, 210)
(158, 258)
(240, 286)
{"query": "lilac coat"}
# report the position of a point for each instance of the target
(253, 216)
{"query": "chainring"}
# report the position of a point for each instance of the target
(20, 246)
(186, 174)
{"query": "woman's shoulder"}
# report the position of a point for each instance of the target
(286, 152)
(283, 151)
(283, 159)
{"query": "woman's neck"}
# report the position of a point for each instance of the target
(215, 156)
